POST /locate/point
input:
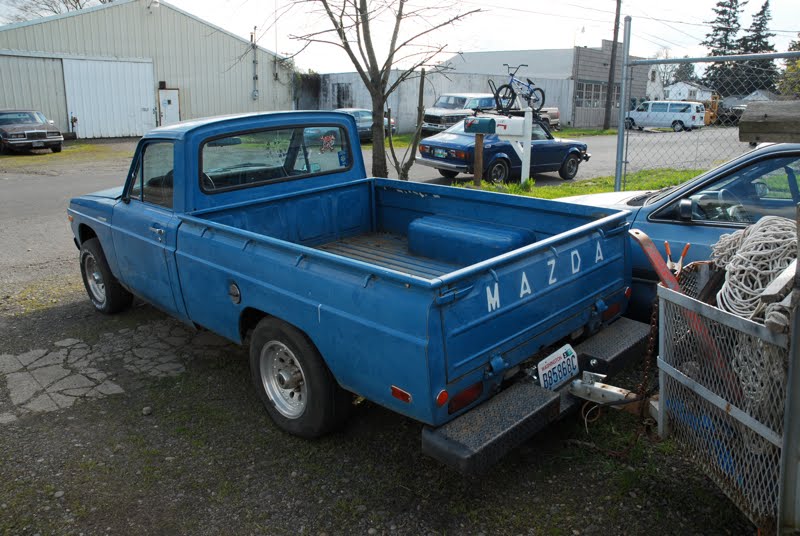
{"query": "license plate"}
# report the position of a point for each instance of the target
(558, 368)
(439, 153)
(38, 144)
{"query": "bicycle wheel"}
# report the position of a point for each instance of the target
(537, 99)
(506, 97)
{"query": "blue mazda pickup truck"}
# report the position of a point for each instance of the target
(444, 304)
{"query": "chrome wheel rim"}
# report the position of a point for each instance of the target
(94, 279)
(283, 379)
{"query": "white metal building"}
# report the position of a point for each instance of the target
(689, 91)
(122, 68)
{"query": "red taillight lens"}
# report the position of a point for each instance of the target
(424, 149)
(465, 397)
(461, 155)
(441, 398)
(628, 292)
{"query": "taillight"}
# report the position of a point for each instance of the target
(628, 292)
(461, 155)
(465, 397)
(441, 398)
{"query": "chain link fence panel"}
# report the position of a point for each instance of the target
(693, 124)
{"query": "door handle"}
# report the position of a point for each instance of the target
(157, 230)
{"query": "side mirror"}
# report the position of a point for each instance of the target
(685, 210)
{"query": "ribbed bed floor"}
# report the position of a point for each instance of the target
(388, 251)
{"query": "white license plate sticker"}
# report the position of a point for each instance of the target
(558, 368)
(38, 144)
(440, 153)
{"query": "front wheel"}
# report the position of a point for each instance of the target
(56, 148)
(629, 123)
(569, 168)
(296, 387)
(506, 97)
(498, 172)
(448, 174)
(104, 290)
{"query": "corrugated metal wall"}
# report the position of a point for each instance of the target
(111, 99)
(34, 83)
(213, 69)
(404, 100)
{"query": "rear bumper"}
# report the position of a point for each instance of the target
(438, 164)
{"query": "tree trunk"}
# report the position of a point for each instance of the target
(379, 168)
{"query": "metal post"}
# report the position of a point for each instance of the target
(525, 173)
(478, 160)
(623, 104)
(789, 484)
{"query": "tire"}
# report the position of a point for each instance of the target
(506, 97)
(569, 168)
(313, 404)
(537, 98)
(104, 290)
(629, 123)
(677, 126)
(498, 172)
(447, 174)
(56, 148)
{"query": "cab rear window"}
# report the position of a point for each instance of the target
(255, 158)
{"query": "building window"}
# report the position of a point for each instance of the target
(653, 75)
(692, 94)
(593, 95)
(666, 94)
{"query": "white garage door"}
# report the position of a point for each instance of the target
(111, 99)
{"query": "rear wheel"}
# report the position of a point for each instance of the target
(293, 382)
(629, 123)
(537, 99)
(104, 290)
(447, 174)
(569, 168)
(498, 172)
(56, 148)
(677, 126)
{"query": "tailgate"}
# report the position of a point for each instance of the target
(516, 303)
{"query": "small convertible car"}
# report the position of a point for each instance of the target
(452, 152)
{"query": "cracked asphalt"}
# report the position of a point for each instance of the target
(138, 424)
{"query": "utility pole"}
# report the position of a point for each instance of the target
(612, 67)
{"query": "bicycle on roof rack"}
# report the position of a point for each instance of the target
(505, 96)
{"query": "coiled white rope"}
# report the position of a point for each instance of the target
(752, 258)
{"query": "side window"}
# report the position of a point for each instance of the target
(680, 107)
(765, 188)
(642, 107)
(538, 133)
(658, 107)
(254, 158)
(154, 173)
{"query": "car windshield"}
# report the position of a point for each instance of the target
(16, 118)
(481, 102)
(450, 102)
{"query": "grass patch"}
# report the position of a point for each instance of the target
(654, 179)
(569, 132)
(73, 151)
(400, 141)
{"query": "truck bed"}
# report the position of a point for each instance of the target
(388, 250)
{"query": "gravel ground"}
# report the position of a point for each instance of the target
(135, 424)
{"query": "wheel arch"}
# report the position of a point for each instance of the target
(85, 232)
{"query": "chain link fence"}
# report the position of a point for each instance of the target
(688, 117)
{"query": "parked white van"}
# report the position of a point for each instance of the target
(678, 115)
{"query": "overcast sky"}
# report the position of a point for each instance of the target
(505, 25)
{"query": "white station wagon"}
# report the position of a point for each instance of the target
(678, 115)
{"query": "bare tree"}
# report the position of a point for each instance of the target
(665, 71)
(355, 29)
(21, 10)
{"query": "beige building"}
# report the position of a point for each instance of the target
(122, 68)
